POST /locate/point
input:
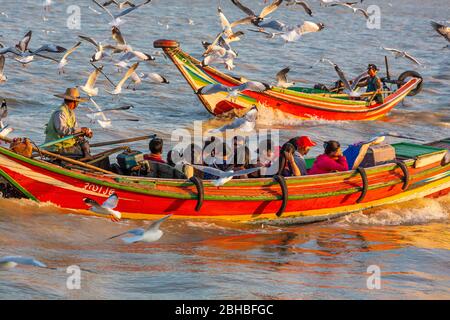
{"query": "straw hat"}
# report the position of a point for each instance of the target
(72, 94)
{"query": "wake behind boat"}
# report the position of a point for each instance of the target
(298, 102)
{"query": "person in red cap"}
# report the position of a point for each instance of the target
(303, 144)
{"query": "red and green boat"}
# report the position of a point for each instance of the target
(419, 171)
(302, 103)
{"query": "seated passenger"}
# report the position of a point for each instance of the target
(288, 167)
(303, 144)
(155, 146)
(331, 161)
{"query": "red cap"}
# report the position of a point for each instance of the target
(305, 141)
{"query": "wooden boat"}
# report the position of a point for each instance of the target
(419, 171)
(303, 103)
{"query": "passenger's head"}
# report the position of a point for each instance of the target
(372, 70)
(156, 146)
(288, 147)
(332, 148)
(304, 144)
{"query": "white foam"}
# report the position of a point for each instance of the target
(418, 212)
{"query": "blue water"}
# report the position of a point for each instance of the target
(408, 242)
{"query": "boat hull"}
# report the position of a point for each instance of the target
(310, 198)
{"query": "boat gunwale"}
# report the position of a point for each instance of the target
(100, 180)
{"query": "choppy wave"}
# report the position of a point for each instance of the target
(418, 212)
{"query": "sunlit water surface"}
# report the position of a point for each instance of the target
(206, 260)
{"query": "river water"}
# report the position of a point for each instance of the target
(409, 243)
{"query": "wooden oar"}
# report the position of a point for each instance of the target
(108, 143)
(51, 143)
(60, 157)
(100, 155)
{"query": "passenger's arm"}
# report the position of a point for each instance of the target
(295, 170)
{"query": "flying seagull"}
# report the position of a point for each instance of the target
(151, 234)
(351, 7)
(116, 21)
(100, 49)
(120, 5)
(107, 208)
(234, 91)
(441, 29)
(20, 49)
(282, 80)
(295, 33)
(403, 54)
(251, 16)
(10, 262)
(303, 4)
(89, 88)
(349, 88)
(223, 176)
(269, 35)
(63, 62)
(154, 77)
(3, 113)
(118, 88)
(244, 124)
(3, 77)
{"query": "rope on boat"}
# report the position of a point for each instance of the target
(365, 186)
(406, 176)
(200, 191)
(284, 191)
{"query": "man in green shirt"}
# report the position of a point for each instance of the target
(63, 123)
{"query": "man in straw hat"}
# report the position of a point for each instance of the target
(63, 123)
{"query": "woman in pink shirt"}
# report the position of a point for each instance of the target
(331, 161)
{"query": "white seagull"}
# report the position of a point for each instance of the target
(118, 89)
(63, 62)
(154, 77)
(441, 29)
(294, 33)
(402, 54)
(4, 129)
(89, 88)
(100, 49)
(244, 124)
(351, 7)
(107, 208)
(251, 16)
(303, 4)
(348, 88)
(3, 113)
(3, 77)
(234, 91)
(282, 80)
(223, 176)
(10, 262)
(151, 234)
(116, 21)
(119, 5)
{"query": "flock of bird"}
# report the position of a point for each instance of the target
(218, 51)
